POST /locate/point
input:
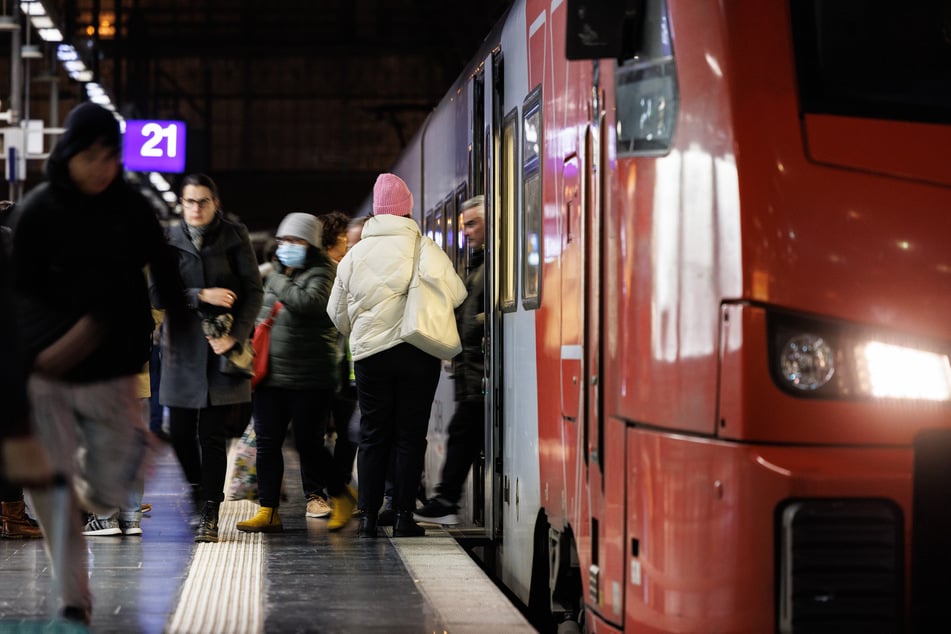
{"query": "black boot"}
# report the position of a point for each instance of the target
(407, 527)
(208, 524)
(367, 526)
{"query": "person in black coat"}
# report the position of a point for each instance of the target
(199, 384)
(81, 246)
(467, 427)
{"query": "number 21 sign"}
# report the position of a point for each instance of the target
(154, 146)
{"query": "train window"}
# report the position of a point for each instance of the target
(531, 199)
(439, 225)
(506, 237)
(428, 224)
(449, 205)
(646, 79)
(462, 264)
(872, 58)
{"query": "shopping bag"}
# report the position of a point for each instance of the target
(429, 322)
(244, 477)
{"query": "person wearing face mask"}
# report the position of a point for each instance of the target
(302, 378)
(224, 293)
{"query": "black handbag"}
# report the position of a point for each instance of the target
(238, 362)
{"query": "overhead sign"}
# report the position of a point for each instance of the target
(154, 146)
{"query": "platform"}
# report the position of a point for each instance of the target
(305, 579)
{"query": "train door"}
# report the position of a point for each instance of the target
(493, 379)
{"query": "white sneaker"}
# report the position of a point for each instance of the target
(317, 507)
(107, 526)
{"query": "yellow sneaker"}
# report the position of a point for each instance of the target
(266, 520)
(342, 509)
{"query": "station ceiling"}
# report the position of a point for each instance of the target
(291, 105)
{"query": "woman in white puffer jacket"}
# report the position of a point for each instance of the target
(395, 381)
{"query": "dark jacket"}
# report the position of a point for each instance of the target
(13, 413)
(304, 353)
(190, 375)
(77, 255)
(468, 366)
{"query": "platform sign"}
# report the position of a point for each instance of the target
(154, 146)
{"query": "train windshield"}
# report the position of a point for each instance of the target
(874, 58)
(646, 80)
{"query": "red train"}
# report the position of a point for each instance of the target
(718, 260)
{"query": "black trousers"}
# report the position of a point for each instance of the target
(307, 412)
(466, 440)
(395, 388)
(198, 437)
(345, 450)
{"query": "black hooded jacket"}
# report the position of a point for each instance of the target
(77, 255)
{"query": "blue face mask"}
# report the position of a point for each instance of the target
(292, 255)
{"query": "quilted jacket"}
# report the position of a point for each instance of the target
(369, 293)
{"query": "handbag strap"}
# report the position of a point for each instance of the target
(275, 309)
(414, 281)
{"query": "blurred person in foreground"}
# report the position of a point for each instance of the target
(396, 381)
(15, 523)
(301, 379)
(80, 247)
(206, 377)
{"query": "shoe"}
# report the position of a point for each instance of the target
(387, 517)
(16, 524)
(317, 507)
(406, 527)
(130, 527)
(437, 512)
(77, 614)
(342, 511)
(208, 524)
(367, 528)
(266, 520)
(99, 527)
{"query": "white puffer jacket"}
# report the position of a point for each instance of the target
(369, 293)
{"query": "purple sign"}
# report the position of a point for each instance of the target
(154, 146)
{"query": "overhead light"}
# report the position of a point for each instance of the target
(31, 51)
(7, 23)
(42, 22)
(51, 35)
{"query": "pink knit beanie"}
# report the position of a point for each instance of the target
(391, 196)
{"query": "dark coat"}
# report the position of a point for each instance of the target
(76, 255)
(469, 365)
(190, 375)
(304, 353)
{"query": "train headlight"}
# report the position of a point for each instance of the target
(819, 358)
(886, 370)
(806, 361)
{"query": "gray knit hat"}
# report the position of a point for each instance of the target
(301, 225)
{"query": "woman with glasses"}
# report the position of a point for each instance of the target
(206, 371)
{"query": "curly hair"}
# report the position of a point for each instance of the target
(335, 224)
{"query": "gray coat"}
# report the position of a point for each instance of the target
(304, 351)
(190, 375)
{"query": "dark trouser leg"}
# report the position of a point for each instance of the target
(183, 428)
(310, 411)
(416, 380)
(377, 396)
(466, 439)
(212, 433)
(155, 378)
(271, 416)
(345, 450)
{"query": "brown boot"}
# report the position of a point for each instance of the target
(16, 523)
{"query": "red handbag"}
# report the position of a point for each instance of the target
(261, 342)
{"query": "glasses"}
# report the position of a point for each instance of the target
(193, 202)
